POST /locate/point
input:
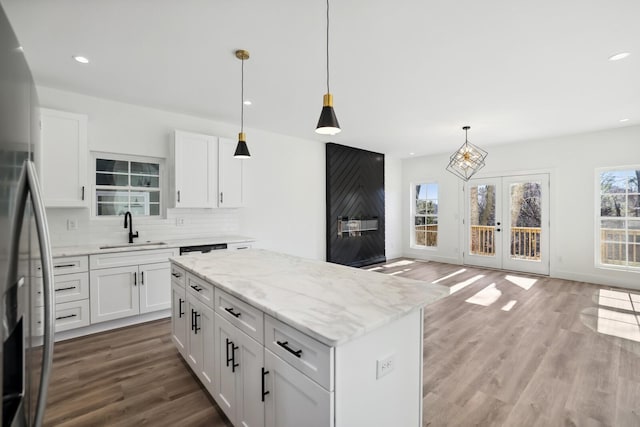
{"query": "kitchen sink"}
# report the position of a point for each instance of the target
(132, 245)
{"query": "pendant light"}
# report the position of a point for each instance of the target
(242, 151)
(328, 123)
(467, 160)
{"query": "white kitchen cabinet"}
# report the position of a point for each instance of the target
(129, 283)
(114, 293)
(179, 316)
(238, 375)
(294, 399)
(195, 169)
(200, 341)
(230, 180)
(64, 159)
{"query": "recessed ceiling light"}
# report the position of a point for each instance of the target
(624, 120)
(247, 102)
(619, 56)
(81, 59)
(411, 154)
(20, 49)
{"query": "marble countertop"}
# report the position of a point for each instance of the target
(62, 251)
(331, 303)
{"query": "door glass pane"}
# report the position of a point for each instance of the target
(526, 217)
(482, 203)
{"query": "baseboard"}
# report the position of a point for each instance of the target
(598, 280)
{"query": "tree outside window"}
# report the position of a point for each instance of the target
(426, 215)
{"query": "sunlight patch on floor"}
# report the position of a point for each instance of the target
(508, 306)
(615, 303)
(524, 282)
(455, 273)
(400, 263)
(486, 297)
(374, 269)
(459, 286)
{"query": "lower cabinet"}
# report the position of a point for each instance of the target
(118, 292)
(294, 399)
(239, 386)
(179, 317)
(200, 335)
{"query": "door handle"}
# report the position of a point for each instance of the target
(228, 358)
(83, 193)
(142, 278)
(234, 365)
(264, 393)
(180, 312)
(221, 197)
(192, 323)
(135, 279)
(178, 196)
(196, 329)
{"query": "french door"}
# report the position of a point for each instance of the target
(507, 223)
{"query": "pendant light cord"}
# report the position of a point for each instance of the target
(328, 91)
(242, 98)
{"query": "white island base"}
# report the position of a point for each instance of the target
(282, 356)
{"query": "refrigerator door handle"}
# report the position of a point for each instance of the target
(28, 184)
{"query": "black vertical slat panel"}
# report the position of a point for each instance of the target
(355, 189)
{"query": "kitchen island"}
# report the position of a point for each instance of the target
(285, 341)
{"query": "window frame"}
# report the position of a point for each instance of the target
(162, 183)
(599, 218)
(413, 214)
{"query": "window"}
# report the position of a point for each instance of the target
(619, 219)
(126, 184)
(425, 213)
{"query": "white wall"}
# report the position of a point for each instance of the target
(284, 179)
(393, 207)
(571, 160)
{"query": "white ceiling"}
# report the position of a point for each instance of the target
(406, 74)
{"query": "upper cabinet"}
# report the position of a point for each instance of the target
(229, 175)
(205, 173)
(195, 178)
(63, 159)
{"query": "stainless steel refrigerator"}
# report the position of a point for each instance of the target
(24, 243)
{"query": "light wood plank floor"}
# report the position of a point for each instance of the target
(505, 349)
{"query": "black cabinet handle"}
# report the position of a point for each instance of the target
(264, 393)
(142, 278)
(234, 365)
(178, 196)
(231, 312)
(197, 328)
(192, 322)
(284, 345)
(64, 289)
(83, 192)
(196, 288)
(66, 317)
(221, 197)
(135, 279)
(61, 266)
(176, 274)
(228, 358)
(180, 312)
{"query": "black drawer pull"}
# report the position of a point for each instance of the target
(66, 317)
(231, 312)
(284, 345)
(264, 393)
(180, 312)
(196, 288)
(63, 266)
(176, 274)
(64, 289)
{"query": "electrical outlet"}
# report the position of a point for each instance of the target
(384, 366)
(179, 222)
(72, 224)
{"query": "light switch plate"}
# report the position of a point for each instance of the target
(385, 365)
(72, 224)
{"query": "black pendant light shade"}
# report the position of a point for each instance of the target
(328, 123)
(242, 151)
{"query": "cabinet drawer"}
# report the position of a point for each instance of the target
(201, 289)
(248, 319)
(125, 258)
(69, 315)
(178, 275)
(238, 246)
(304, 353)
(65, 265)
(67, 287)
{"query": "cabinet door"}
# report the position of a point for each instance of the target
(179, 317)
(114, 293)
(155, 287)
(196, 175)
(63, 159)
(229, 175)
(195, 342)
(225, 381)
(250, 357)
(293, 399)
(207, 323)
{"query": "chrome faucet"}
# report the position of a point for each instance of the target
(130, 225)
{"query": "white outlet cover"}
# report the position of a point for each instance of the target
(385, 365)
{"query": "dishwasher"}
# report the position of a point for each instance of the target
(201, 249)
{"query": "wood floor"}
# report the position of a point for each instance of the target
(504, 349)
